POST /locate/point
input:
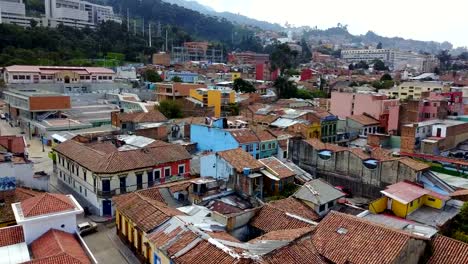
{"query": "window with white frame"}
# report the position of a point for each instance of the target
(182, 169)
(167, 172)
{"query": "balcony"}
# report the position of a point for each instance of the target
(106, 194)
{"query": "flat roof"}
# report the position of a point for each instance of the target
(17, 253)
(32, 92)
(442, 122)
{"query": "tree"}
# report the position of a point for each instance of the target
(177, 79)
(444, 58)
(386, 77)
(380, 66)
(234, 109)
(463, 56)
(285, 88)
(283, 58)
(152, 76)
(241, 85)
(379, 46)
(170, 109)
(361, 65)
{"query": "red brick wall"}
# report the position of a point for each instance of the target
(408, 139)
(45, 103)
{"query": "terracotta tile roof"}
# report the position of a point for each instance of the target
(279, 215)
(264, 135)
(183, 239)
(342, 238)
(239, 159)
(11, 235)
(155, 194)
(243, 136)
(121, 161)
(319, 145)
(446, 250)
(56, 246)
(142, 117)
(360, 153)
(47, 203)
(11, 197)
(284, 235)
(457, 193)
(145, 212)
(13, 144)
(206, 253)
(267, 119)
(301, 251)
(277, 167)
(223, 236)
(364, 120)
(415, 165)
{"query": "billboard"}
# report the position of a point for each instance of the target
(7, 183)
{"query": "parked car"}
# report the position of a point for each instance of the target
(87, 228)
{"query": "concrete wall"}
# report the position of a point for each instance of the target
(412, 252)
(344, 168)
(213, 166)
(24, 175)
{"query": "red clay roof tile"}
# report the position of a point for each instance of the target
(11, 235)
(47, 203)
(446, 250)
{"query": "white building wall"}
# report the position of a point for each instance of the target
(13, 7)
(213, 166)
(442, 128)
(34, 229)
(24, 174)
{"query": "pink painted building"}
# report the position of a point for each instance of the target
(454, 101)
(376, 105)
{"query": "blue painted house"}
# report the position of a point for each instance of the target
(215, 138)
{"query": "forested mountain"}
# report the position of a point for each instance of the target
(235, 18)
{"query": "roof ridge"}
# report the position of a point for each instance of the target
(36, 202)
(362, 220)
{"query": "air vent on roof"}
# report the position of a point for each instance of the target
(342, 231)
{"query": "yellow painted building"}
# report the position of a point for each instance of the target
(412, 90)
(216, 97)
(314, 131)
(404, 198)
(235, 75)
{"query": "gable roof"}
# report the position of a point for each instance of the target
(446, 250)
(364, 120)
(56, 246)
(344, 239)
(319, 145)
(145, 212)
(11, 235)
(264, 135)
(243, 136)
(318, 192)
(47, 203)
(153, 116)
(11, 197)
(300, 251)
(404, 192)
(283, 214)
(239, 159)
(119, 161)
(277, 167)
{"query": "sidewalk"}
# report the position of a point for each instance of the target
(123, 249)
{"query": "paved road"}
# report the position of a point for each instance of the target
(105, 245)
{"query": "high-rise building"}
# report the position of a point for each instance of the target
(77, 13)
(14, 12)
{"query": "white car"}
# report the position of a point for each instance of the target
(87, 228)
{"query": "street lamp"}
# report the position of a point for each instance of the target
(42, 141)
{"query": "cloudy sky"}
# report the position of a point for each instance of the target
(437, 20)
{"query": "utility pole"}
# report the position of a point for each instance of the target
(158, 30)
(149, 34)
(128, 20)
(143, 27)
(166, 39)
(134, 27)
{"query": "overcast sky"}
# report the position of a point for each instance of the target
(436, 20)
